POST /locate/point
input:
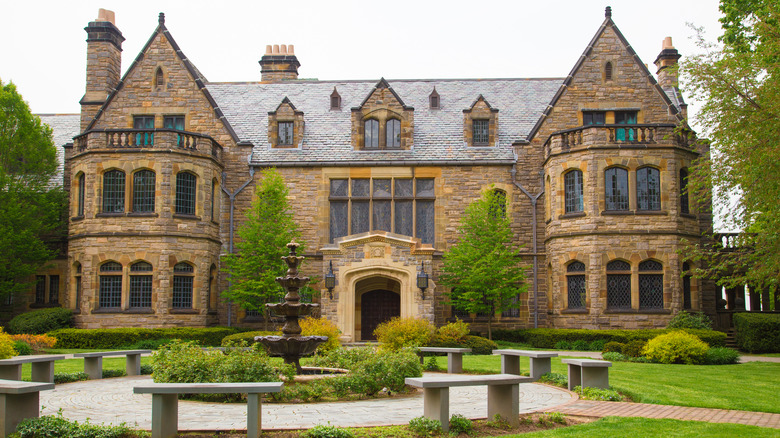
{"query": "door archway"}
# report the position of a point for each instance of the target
(376, 307)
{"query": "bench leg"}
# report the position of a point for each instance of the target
(253, 416)
(539, 366)
(575, 376)
(454, 363)
(437, 406)
(504, 400)
(11, 372)
(93, 366)
(43, 372)
(510, 364)
(133, 365)
(15, 408)
(595, 377)
(165, 415)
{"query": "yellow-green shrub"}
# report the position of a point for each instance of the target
(676, 347)
(322, 327)
(398, 333)
(453, 332)
(6, 345)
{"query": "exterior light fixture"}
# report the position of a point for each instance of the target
(422, 281)
(330, 280)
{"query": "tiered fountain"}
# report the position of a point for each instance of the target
(291, 345)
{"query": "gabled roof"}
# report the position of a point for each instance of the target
(381, 85)
(64, 128)
(200, 80)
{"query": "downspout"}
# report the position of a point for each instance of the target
(533, 199)
(232, 197)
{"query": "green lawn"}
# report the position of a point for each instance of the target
(749, 387)
(648, 428)
(77, 365)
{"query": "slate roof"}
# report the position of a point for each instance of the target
(65, 127)
(438, 133)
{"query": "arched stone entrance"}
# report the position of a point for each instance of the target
(378, 299)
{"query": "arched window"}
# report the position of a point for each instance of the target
(684, 208)
(651, 285)
(648, 189)
(159, 78)
(213, 287)
(616, 189)
(182, 286)
(393, 133)
(80, 200)
(686, 282)
(77, 286)
(114, 191)
(185, 193)
(498, 204)
(575, 284)
(608, 71)
(141, 285)
(618, 285)
(572, 183)
(143, 191)
(371, 134)
(110, 295)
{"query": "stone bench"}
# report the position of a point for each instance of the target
(588, 372)
(503, 396)
(540, 361)
(165, 403)
(19, 400)
(42, 367)
(454, 357)
(93, 362)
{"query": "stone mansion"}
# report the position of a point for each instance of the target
(161, 164)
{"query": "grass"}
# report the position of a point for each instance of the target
(644, 427)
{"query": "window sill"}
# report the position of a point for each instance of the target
(652, 212)
(640, 311)
(43, 305)
(77, 218)
(572, 215)
(634, 213)
(152, 214)
(688, 215)
(110, 215)
(185, 311)
(284, 146)
(108, 310)
(139, 310)
(616, 212)
(190, 217)
(575, 311)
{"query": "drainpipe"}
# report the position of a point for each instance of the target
(533, 199)
(232, 197)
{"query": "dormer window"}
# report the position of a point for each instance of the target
(393, 133)
(481, 134)
(286, 134)
(335, 100)
(480, 123)
(285, 126)
(382, 121)
(371, 134)
(434, 100)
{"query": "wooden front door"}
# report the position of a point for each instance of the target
(377, 307)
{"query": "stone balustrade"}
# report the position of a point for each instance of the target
(161, 138)
(615, 135)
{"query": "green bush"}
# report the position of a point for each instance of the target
(425, 426)
(757, 332)
(400, 333)
(580, 345)
(676, 347)
(721, 356)
(344, 358)
(613, 347)
(562, 345)
(556, 379)
(322, 327)
(40, 321)
(70, 377)
(22, 348)
(149, 344)
(146, 369)
(322, 431)
(551, 418)
(452, 332)
(589, 393)
(634, 348)
(597, 345)
(384, 370)
(614, 356)
(107, 374)
(248, 337)
(431, 364)
(547, 338)
(122, 337)
(460, 424)
(685, 320)
(479, 345)
(54, 426)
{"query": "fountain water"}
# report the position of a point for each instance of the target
(291, 345)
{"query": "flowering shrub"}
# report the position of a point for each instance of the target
(676, 347)
(454, 332)
(322, 327)
(398, 333)
(6, 345)
(38, 343)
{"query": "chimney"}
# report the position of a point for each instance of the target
(667, 77)
(104, 64)
(279, 63)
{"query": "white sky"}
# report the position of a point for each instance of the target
(43, 48)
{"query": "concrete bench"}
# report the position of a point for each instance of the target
(454, 357)
(42, 367)
(503, 396)
(588, 372)
(540, 361)
(165, 403)
(19, 400)
(93, 362)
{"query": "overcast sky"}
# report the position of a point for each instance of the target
(43, 48)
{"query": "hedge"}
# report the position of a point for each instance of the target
(40, 321)
(757, 332)
(123, 337)
(547, 338)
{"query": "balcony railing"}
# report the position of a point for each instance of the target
(616, 135)
(163, 138)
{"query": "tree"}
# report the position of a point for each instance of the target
(31, 203)
(263, 237)
(482, 269)
(739, 83)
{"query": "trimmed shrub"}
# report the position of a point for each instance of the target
(38, 343)
(41, 321)
(721, 356)
(22, 348)
(70, 377)
(597, 345)
(562, 345)
(322, 431)
(248, 337)
(322, 327)
(685, 320)
(425, 426)
(580, 345)
(676, 347)
(547, 338)
(634, 348)
(613, 347)
(479, 345)
(122, 337)
(757, 332)
(453, 332)
(399, 333)
(107, 374)
(614, 356)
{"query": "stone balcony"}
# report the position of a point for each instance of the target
(629, 136)
(133, 140)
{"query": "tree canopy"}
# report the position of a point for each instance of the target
(739, 82)
(483, 268)
(31, 203)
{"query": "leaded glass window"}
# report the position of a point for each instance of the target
(575, 285)
(81, 190)
(185, 193)
(593, 117)
(143, 191)
(684, 208)
(40, 289)
(54, 289)
(114, 191)
(648, 189)
(618, 285)
(686, 283)
(286, 133)
(110, 295)
(361, 206)
(625, 118)
(572, 182)
(182, 286)
(371, 134)
(616, 189)
(393, 133)
(140, 285)
(481, 132)
(514, 309)
(651, 285)
(146, 124)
